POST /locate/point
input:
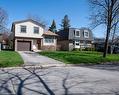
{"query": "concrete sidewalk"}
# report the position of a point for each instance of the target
(33, 58)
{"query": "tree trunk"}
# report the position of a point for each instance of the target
(106, 42)
(112, 49)
(113, 36)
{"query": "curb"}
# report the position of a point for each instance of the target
(44, 66)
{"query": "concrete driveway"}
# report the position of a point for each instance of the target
(59, 81)
(33, 58)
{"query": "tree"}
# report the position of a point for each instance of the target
(3, 19)
(52, 28)
(37, 18)
(65, 23)
(114, 36)
(105, 12)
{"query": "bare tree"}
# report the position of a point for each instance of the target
(114, 36)
(105, 12)
(3, 19)
(37, 18)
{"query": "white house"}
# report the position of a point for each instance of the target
(30, 35)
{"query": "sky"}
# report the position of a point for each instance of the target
(78, 12)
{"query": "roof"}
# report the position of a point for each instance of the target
(31, 20)
(70, 34)
(63, 35)
(49, 33)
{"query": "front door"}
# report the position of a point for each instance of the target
(77, 44)
(39, 44)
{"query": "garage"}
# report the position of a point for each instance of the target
(23, 45)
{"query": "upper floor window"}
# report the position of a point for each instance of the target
(23, 28)
(36, 30)
(77, 33)
(86, 34)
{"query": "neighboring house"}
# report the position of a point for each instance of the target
(112, 47)
(75, 38)
(4, 40)
(0, 41)
(99, 44)
(30, 35)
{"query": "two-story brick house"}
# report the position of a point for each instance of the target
(75, 38)
(30, 35)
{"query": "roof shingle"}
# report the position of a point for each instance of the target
(49, 33)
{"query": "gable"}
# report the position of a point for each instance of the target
(28, 24)
(29, 20)
(29, 29)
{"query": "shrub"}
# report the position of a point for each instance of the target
(76, 49)
(89, 49)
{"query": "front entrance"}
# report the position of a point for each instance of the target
(39, 44)
(77, 44)
(23, 45)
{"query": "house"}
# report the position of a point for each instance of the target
(0, 41)
(30, 35)
(4, 40)
(75, 38)
(99, 44)
(113, 46)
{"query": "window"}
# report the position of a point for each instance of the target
(36, 30)
(49, 40)
(77, 42)
(23, 29)
(77, 33)
(86, 34)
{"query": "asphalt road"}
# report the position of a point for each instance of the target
(59, 81)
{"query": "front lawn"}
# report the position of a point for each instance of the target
(77, 57)
(10, 59)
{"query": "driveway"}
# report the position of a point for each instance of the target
(59, 81)
(33, 58)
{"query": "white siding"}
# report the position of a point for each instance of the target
(29, 31)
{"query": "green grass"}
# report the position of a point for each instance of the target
(10, 59)
(84, 57)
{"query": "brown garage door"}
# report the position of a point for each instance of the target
(23, 45)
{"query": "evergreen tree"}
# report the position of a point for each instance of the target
(52, 28)
(65, 23)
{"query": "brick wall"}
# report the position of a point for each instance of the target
(48, 48)
(63, 45)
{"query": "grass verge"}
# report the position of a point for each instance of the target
(84, 57)
(10, 59)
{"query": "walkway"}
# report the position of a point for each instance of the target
(32, 58)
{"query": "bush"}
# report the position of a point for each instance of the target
(89, 49)
(76, 49)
